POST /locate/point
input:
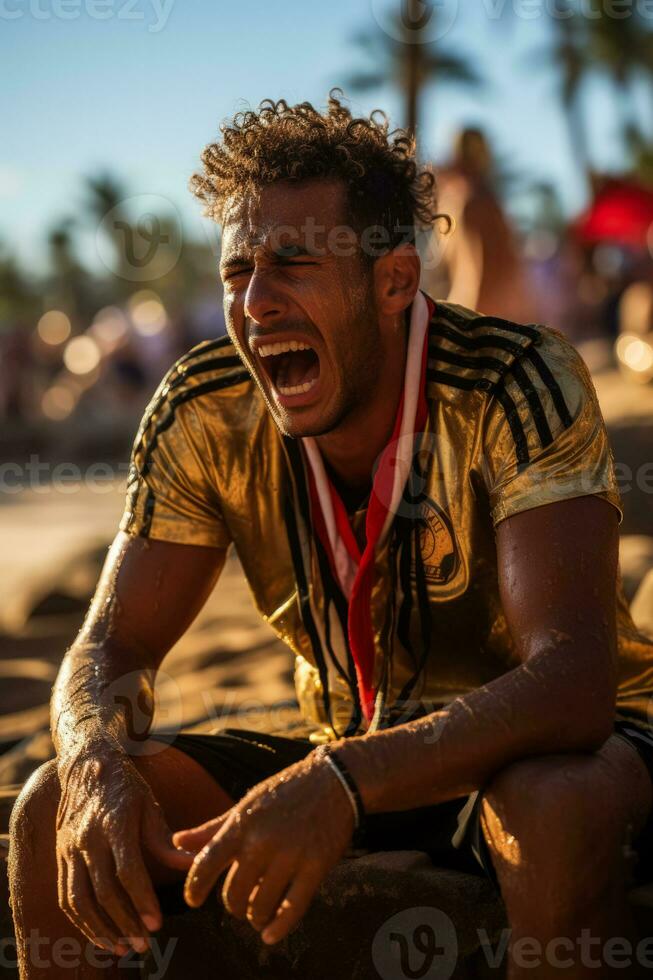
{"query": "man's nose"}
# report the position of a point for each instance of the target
(263, 302)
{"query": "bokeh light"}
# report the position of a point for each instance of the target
(636, 354)
(54, 327)
(636, 309)
(110, 327)
(58, 402)
(147, 313)
(82, 355)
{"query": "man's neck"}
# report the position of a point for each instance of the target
(351, 451)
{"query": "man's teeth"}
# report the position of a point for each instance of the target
(296, 389)
(269, 350)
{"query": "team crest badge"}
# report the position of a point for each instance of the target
(440, 556)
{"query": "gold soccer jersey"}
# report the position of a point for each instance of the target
(513, 423)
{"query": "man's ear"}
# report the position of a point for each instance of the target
(396, 279)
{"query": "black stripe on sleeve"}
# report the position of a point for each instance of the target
(549, 380)
(467, 360)
(205, 348)
(148, 513)
(210, 364)
(515, 423)
(526, 330)
(456, 381)
(216, 384)
(536, 407)
(140, 472)
(444, 331)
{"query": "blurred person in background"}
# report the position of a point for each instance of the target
(483, 266)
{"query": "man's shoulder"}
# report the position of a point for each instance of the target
(518, 386)
(207, 367)
(210, 377)
(471, 352)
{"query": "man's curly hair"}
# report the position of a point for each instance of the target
(278, 142)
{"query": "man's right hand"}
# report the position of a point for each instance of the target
(107, 823)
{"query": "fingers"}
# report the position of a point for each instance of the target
(134, 878)
(266, 898)
(292, 907)
(112, 897)
(158, 839)
(194, 838)
(77, 900)
(210, 862)
(239, 884)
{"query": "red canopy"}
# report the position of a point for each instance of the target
(622, 213)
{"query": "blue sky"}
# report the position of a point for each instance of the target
(141, 91)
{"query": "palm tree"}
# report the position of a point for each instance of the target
(19, 298)
(67, 287)
(570, 55)
(622, 49)
(103, 193)
(402, 59)
(570, 52)
(106, 195)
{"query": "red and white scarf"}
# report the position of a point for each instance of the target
(353, 569)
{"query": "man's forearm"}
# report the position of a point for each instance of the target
(102, 694)
(552, 703)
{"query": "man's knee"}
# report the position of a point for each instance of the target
(547, 818)
(33, 816)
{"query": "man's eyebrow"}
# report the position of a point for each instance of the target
(292, 251)
(240, 258)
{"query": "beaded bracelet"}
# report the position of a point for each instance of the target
(348, 783)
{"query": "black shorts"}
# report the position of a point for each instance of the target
(450, 833)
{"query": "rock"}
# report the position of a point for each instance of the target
(367, 915)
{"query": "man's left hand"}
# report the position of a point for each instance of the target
(279, 842)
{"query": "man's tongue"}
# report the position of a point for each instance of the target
(297, 368)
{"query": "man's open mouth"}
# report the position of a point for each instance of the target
(292, 366)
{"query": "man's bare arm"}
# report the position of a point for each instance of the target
(557, 567)
(148, 595)
(109, 825)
